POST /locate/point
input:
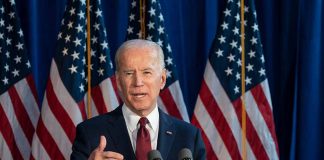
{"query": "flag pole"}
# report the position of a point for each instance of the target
(142, 18)
(89, 61)
(243, 83)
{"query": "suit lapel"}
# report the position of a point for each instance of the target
(119, 135)
(167, 132)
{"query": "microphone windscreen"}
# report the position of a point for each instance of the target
(154, 155)
(185, 154)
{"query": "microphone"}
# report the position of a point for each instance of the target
(185, 154)
(154, 155)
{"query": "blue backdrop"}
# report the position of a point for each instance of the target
(292, 34)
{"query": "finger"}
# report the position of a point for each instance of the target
(113, 155)
(102, 143)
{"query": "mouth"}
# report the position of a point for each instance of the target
(138, 95)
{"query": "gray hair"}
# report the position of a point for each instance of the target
(140, 43)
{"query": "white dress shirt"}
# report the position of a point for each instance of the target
(132, 124)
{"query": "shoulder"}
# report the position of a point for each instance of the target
(180, 125)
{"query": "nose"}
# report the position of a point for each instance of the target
(138, 80)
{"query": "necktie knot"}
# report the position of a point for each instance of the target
(143, 121)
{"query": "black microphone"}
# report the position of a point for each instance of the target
(154, 155)
(185, 154)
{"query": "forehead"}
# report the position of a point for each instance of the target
(134, 54)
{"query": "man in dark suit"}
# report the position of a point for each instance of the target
(138, 126)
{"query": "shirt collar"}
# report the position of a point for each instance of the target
(132, 118)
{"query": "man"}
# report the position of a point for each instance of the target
(138, 126)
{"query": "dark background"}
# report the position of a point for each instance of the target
(292, 33)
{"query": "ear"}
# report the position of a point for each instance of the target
(163, 78)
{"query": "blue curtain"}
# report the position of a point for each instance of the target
(292, 36)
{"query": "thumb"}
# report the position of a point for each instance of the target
(102, 143)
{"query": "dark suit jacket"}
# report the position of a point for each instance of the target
(172, 137)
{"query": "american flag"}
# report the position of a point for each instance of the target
(218, 108)
(65, 99)
(170, 99)
(19, 110)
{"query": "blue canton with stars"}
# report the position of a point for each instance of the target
(71, 56)
(225, 55)
(155, 31)
(14, 62)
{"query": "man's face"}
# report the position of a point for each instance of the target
(140, 78)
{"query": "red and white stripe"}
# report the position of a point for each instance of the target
(171, 101)
(220, 121)
(60, 115)
(19, 113)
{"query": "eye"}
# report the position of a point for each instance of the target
(128, 73)
(147, 73)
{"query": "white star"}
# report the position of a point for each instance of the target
(2, 9)
(238, 76)
(149, 37)
(20, 32)
(237, 17)
(251, 53)
(233, 44)
(100, 71)
(19, 46)
(75, 55)
(67, 38)
(228, 71)
(231, 57)
(70, 25)
(5, 80)
(59, 36)
(150, 25)
(81, 15)
(8, 54)
(159, 42)
(169, 61)
(224, 25)
(94, 39)
(161, 17)
(73, 69)
(262, 72)
(255, 27)
(83, 61)
(81, 87)
(96, 26)
(254, 40)
(130, 30)
(15, 73)
(246, 9)
(98, 13)
(1, 35)
(102, 58)
(9, 28)
(79, 28)
(249, 67)
(227, 12)
(262, 58)
(169, 48)
(65, 51)
(161, 30)
(2, 22)
(131, 17)
(77, 42)
(239, 62)
(28, 64)
(222, 39)
(72, 11)
(12, 15)
(93, 53)
(248, 80)
(133, 4)
(235, 30)
(82, 74)
(6, 67)
(83, 2)
(236, 89)
(168, 73)
(152, 12)
(104, 45)
(18, 59)
(219, 53)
